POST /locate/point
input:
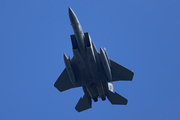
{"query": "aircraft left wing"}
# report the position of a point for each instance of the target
(64, 83)
(120, 73)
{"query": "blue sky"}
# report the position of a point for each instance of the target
(143, 36)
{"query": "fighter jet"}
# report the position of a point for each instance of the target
(91, 70)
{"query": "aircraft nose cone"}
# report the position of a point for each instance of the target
(70, 11)
(72, 16)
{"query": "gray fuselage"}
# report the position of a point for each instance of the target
(89, 62)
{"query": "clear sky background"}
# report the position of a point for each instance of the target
(142, 35)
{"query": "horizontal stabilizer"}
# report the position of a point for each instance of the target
(84, 103)
(116, 99)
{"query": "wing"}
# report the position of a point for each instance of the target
(120, 73)
(64, 83)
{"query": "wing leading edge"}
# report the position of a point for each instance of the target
(120, 73)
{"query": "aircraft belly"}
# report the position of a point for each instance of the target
(91, 70)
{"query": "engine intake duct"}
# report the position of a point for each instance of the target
(74, 42)
(87, 40)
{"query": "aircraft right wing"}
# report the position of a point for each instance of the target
(64, 83)
(120, 73)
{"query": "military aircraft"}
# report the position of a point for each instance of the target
(91, 70)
